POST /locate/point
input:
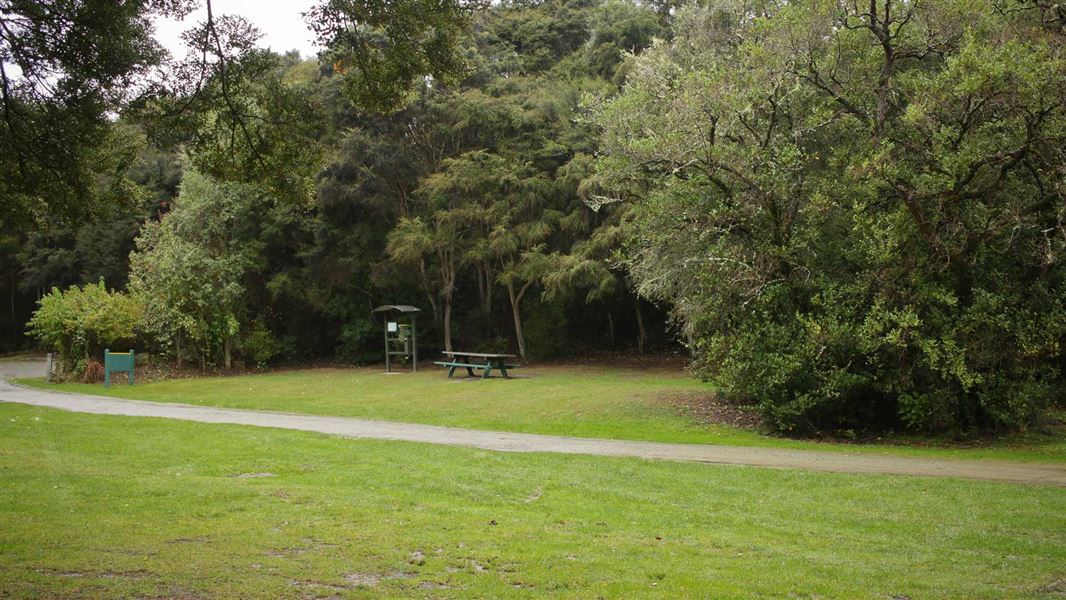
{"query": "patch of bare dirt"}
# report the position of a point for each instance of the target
(308, 545)
(533, 497)
(133, 574)
(199, 539)
(372, 579)
(1057, 587)
(709, 409)
(313, 583)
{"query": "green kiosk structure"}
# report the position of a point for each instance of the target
(401, 340)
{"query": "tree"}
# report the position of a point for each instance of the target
(66, 66)
(477, 172)
(467, 191)
(439, 240)
(63, 67)
(383, 48)
(855, 211)
(189, 268)
(522, 222)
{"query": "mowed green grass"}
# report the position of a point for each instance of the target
(602, 402)
(113, 507)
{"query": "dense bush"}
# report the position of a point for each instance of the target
(259, 345)
(359, 341)
(80, 322)
(546, 330)
(858, 215)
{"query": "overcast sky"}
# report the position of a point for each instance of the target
(279, 21)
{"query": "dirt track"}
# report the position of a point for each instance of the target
(1016, 472)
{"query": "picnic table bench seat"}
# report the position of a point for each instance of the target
(477, 360)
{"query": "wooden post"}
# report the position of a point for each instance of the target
(388, 367)
(414, 347)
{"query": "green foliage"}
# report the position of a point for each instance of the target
(543, 327)
(80, 322)
(618, 27)
(302, 210)
(383, 48)
(188, 268)
(857, 216)
(252, 123)
(357, 341)
(259, 344)
(63, 67)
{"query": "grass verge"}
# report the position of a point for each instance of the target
(599, 402)
(109, 507)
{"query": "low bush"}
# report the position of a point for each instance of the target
(259, 345)
(80, 322)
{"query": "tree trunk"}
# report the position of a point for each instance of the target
(447, 266)
(488, 292)
(642, 334)
(177, 348)
(484, 288)
(448, 322)
(480, 276)
(610, 327)
(429, 292)
(227, 352)
(516, 312)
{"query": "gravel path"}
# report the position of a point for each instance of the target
(1032, 473)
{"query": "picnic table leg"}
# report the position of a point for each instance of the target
(451, 371)
(503, 369)
(469, 372)
(488, 369)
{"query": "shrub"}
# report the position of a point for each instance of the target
(260, 345)
(359, 341)
(545, 330)
(80, 322)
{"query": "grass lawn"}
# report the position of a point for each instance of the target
(606, 402)
(99, 506)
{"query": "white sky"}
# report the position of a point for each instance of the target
(279, 21)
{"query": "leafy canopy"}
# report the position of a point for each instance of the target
(856, 209)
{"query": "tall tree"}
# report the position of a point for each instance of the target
(383, 49)
(854, 209)
(64, 66)
(438, 240)
(189, 269)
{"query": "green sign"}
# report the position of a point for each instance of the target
(117, 362)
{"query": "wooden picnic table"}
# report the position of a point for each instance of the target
(477, 360)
